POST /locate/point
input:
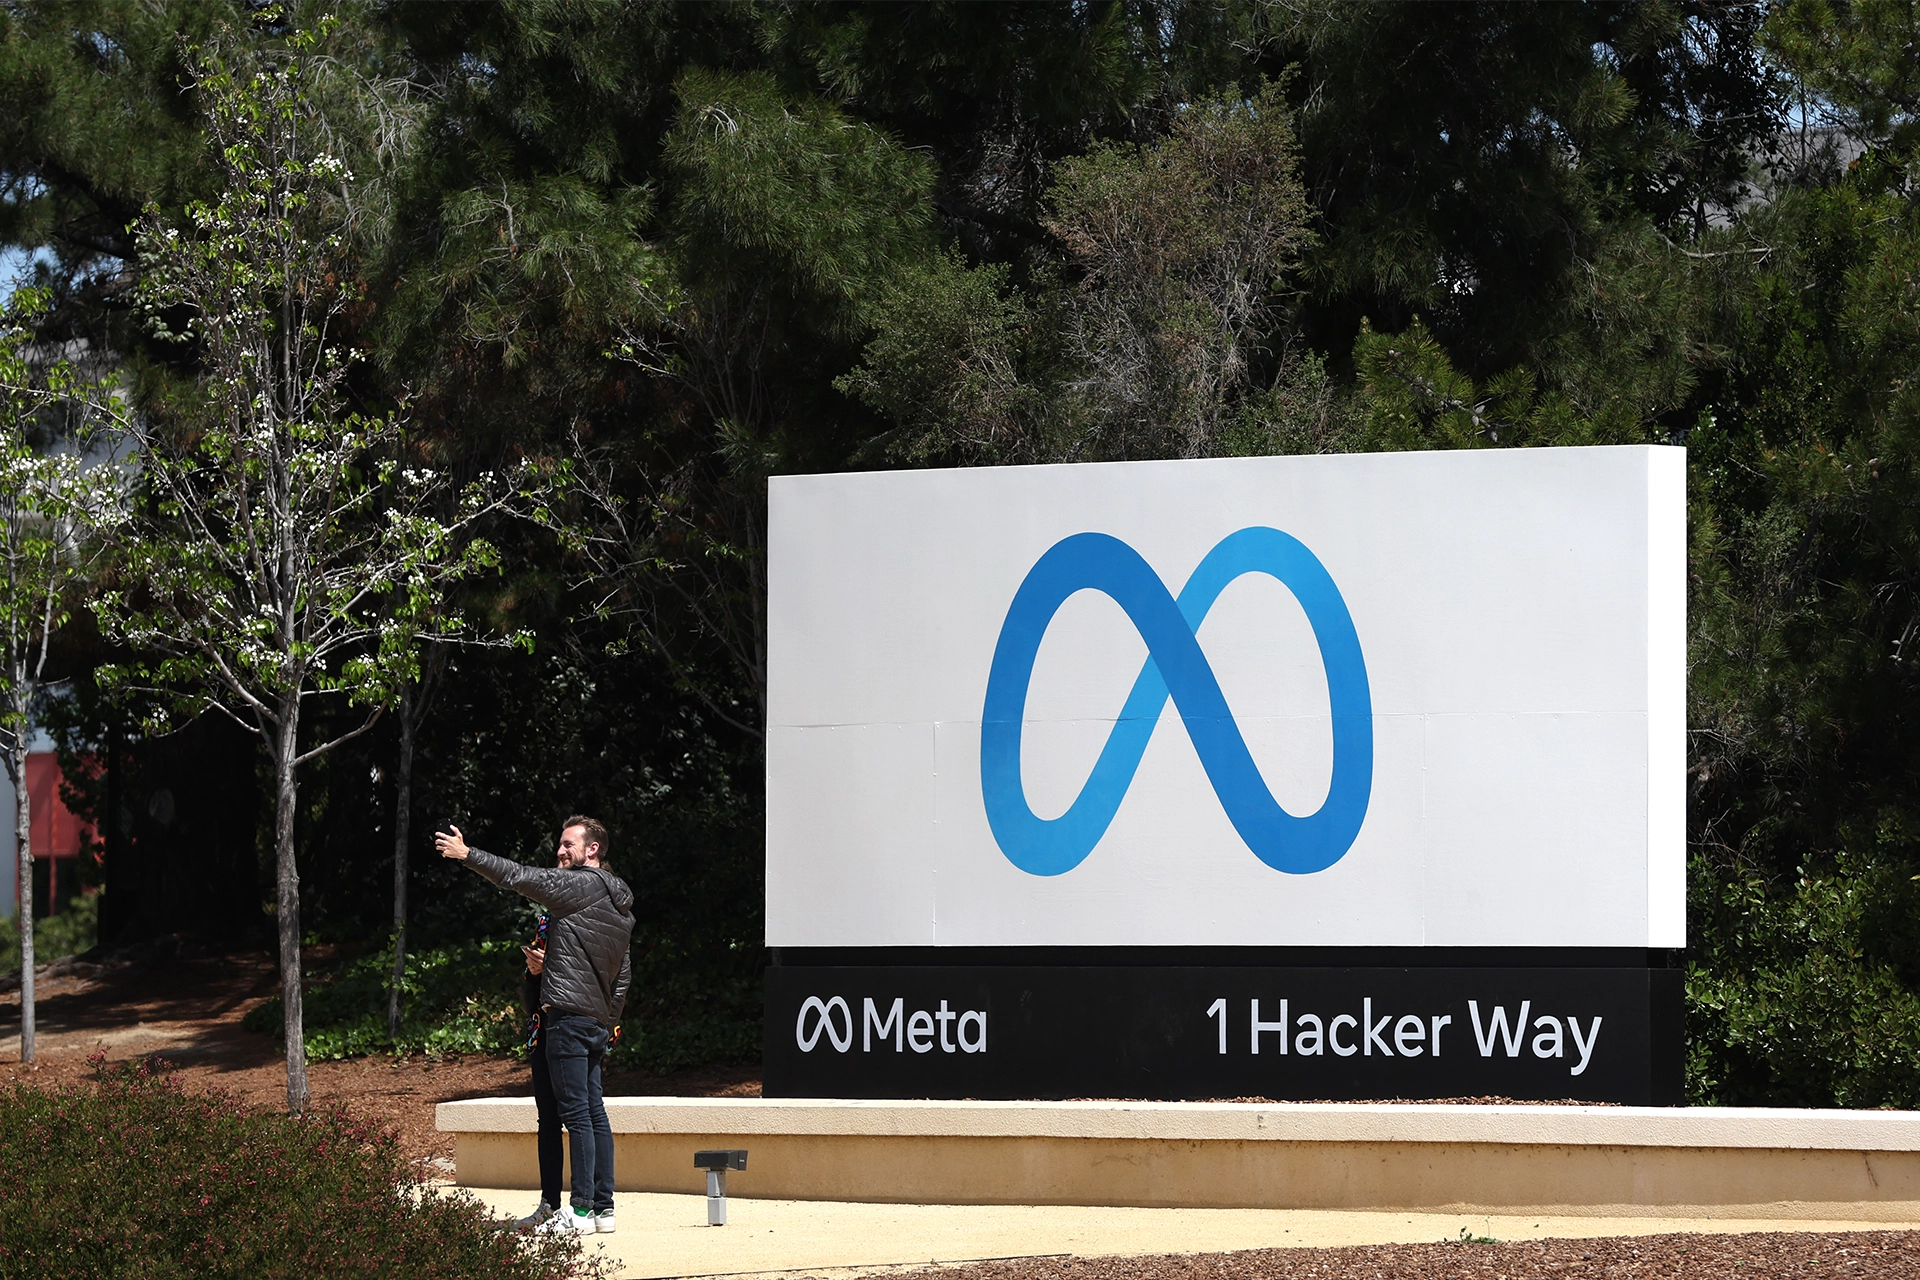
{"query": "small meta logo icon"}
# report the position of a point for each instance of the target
(1176, 667)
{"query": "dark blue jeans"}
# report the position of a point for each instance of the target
(548, 1108)
(576, 1046)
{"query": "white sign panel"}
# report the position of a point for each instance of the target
(1413, 699)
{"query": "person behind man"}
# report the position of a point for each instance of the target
(583, 990)
(546, 1106)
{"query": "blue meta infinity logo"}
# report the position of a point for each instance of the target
(1175, 666)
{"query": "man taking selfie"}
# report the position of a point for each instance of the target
(583, 989)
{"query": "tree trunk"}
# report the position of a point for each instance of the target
(411, 700)
(287, 906)
(23, 847)
(116, 899)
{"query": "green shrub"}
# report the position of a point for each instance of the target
(466, 999)
(683, 1015)
(457, 999)
(129, 1176)
(67, 934)
(1801, 992)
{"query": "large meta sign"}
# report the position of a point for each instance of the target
(1390, 700)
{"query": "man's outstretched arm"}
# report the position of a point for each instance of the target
(551, 887)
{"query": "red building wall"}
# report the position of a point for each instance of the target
(56, 832)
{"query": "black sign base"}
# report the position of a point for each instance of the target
(1195, 1032)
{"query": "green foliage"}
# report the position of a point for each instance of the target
(962, 80)
(1151, 334)
(688, 1008)
(1182, 249)
(1412, 397)
(84, 80)
(944, 364)
(1805, 749)
(521, 258)
(170, 1184)
(466, 999)
(1304, 411)
(1478, 165)
(458, 999)
(54, 511)
(1858, 57)
(71, 932)
(1803, 993)
(778, 193)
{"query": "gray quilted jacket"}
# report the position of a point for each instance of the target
(590, 922)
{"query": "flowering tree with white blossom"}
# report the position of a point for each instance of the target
(55, 512)
(290, 546)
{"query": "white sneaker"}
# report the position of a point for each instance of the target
(534, 1219)
(603, 1221)
(566, 1222)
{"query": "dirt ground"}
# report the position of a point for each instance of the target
(183, 1002)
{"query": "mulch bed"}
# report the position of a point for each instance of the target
(1788, 1256)
(1487, 1100)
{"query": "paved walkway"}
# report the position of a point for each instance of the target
(667, 1235)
